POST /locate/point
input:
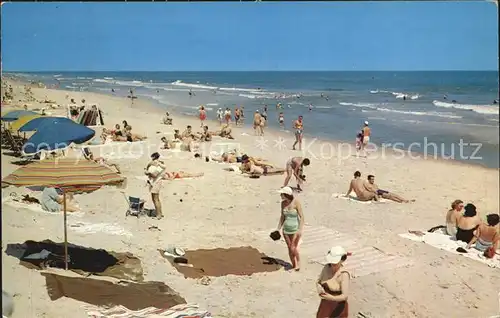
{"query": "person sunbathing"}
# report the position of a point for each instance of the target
(371, 186)
(189, 144)
(205, 135)
(166, 120)
(358, 186)
(486, 235)
(225, 132)
(467, 224)
(87, 154)
(250, 166)
(188, 134)
(452, 217)
(129, 136)
(228, 157)
(167, 144)
(181, 175)
(117, 131)
(52, 201)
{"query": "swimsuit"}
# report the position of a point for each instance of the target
(291, 223)
(381, 192)
(465, 235)
(483, 245)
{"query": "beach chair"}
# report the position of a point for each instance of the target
(135, 207)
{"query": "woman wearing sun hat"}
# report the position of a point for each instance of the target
(333, 285)
(292, 222)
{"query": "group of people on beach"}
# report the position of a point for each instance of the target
(464, 224)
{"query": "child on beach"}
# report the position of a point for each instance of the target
(220, 115)
(227, 116)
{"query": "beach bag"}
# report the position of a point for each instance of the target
(490, 252)
(275, 235)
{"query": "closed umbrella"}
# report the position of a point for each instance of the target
(16, 125)
(67, 174)
(16, 114)
(59, 134)
(34, 124)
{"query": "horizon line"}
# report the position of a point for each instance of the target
(241, 71)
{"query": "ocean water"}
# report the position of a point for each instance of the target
(455, 110)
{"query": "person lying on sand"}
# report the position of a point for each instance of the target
(224, 132)
(52, 201)
(181, 175)
(87, 154)
(256, 166)
(383, 193)
(358, 186)
(231, 156)
(205, 135)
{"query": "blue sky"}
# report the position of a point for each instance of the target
(249, 36)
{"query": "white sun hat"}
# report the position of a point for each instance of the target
(366, 122)
(286, 190)
(334, 255)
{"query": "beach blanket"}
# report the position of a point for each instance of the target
(36, 207)
(91, 228)
(179, 311)
(449, 244)
(353, 198)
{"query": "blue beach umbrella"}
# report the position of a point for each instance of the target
(38, 122)
(16, 114)
(52, 135)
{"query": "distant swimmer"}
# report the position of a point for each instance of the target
(404, 97)
(445, 96)
(322, 95)
(112, 90)
(495, 101)
(310, 107)
(190, 93)
(453, 101)
(281, 120)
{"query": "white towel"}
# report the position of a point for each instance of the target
(447, 243)
(91, 228)
(353, 198)
(145, 178)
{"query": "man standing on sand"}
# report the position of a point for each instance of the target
(257, 118)
(358, 186)
(371, 186)
(295, 167)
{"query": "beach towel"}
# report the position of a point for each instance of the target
(179, 311)
(36, 207)
(353, 198)
(449, 244)
(91, 228)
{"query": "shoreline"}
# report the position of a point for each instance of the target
(152, 105)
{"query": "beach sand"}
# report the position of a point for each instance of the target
(224, 209)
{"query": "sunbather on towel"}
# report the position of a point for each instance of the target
(100, 160)
(251, 167)
(359, 187)
(467, 224)
(487, 234)
(53, 202)
(228, 157)
(383, 193)
(167, 144)
(189, 144)
(181, 175)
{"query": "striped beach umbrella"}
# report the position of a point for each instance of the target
(69, 175)
(16, 125)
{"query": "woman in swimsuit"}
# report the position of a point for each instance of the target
(299, 131)
(181, 175)
(467, 224)
(333, 285)
(292, 222)
(486, 235)
(203, 116)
